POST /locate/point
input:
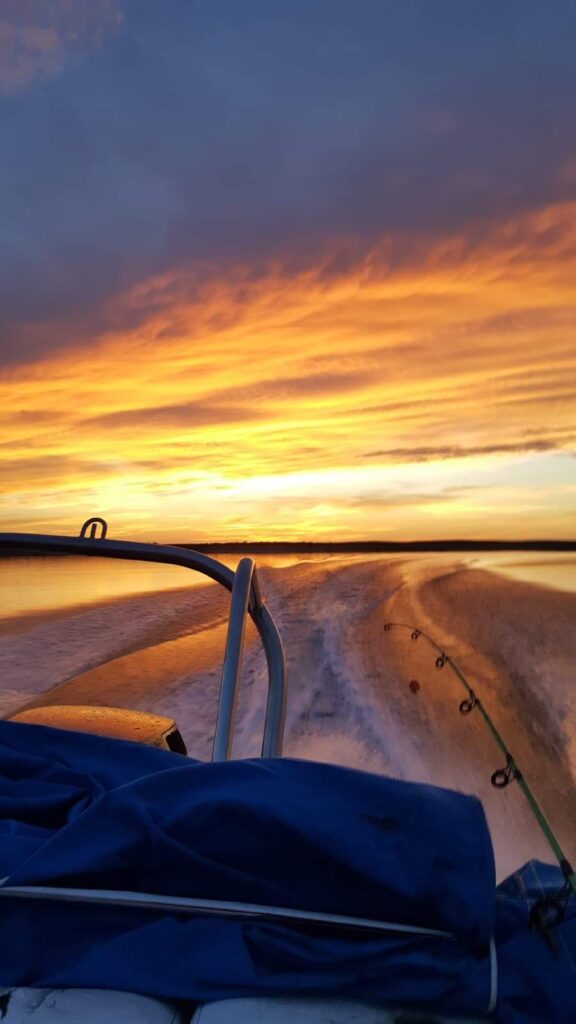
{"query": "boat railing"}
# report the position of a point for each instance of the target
(246, 599)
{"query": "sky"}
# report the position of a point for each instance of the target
(288, 271)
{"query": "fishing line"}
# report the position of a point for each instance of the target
(511, 771)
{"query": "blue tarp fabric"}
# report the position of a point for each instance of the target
(84, 811)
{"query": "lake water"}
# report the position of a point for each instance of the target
(36, 585)
(152, 637)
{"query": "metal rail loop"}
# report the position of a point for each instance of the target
(246, 599)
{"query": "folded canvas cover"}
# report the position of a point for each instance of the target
(89, 812)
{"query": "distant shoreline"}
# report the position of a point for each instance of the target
(376, 547)
(266, 547)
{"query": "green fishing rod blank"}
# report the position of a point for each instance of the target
(510, 772)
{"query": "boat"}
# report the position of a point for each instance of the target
(137, 885)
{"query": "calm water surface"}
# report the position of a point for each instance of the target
(53, 583)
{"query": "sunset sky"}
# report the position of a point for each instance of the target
(289, 270)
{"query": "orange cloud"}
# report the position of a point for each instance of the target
(424, 387)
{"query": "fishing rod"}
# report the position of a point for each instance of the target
(510, 772)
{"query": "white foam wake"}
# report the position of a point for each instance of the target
(349, 694)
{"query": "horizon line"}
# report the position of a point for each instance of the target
(383, 545)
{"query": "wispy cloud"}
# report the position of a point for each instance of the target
(272, 140)
(258, 279)
(439, 452)
(188, 415)
(38, 37)
(305, 394)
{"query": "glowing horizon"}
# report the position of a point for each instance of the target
(301, 408)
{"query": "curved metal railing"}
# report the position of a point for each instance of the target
(246, 599)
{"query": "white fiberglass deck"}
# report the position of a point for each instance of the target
(93, 1006)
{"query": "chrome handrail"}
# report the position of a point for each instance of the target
(246, 599)
(222, 747)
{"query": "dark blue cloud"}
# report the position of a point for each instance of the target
(221, 131)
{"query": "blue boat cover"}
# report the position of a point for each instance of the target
(85, 811)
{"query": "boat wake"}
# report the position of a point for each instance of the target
(352, 693)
